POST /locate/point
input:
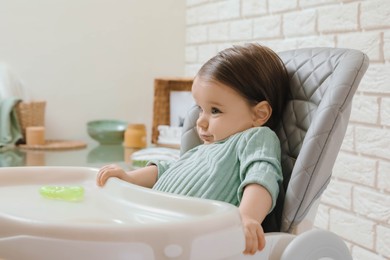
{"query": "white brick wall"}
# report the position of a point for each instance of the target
(362, 171)
(353, 228)
(254, 7)
(383, 238)
(383, 176)
(372, 204)
(385, 111)
(357, 202)
(267, 27)
(338, 18)
(299, 23)
(365, 109)
(373, 141)
(375, 14)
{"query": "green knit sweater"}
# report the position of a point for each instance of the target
(221, 170)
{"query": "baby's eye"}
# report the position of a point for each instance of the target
(215, 110)
(200, 109)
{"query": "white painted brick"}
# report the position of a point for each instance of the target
(280, 45)
(240, 42)
(338, 194)
(205, 52)
(195, 2)
(384, 176)
(299, 23)
(208, 13)
(307, 3)
(322, 217)
(218, 31)
(376, 79)
(375, 13)
(338, 18)
(202, 14)
(254, 7)
(282, 5)
(228, 9)
(385, 111)
(317, 41)
(373, 141)
(267, 27)
(241, 30)
(359, 253)
(191, 54)
(191, 16)
(348, 142)
(386, 45)
(383, 241)
(196, 34)
(223, 46)
(372, 204)
(368, 42)
(352, 228)
(365, 109)
(192, 69)
(355, 169)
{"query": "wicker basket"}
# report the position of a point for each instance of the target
(161, 107)
(30, 114)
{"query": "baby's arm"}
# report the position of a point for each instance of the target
(145, 177)
(254, 207)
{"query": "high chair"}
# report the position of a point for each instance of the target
(125, 221)
(323, 82)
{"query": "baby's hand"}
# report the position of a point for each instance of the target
(254, 235)
(108, 171)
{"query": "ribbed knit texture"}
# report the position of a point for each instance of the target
(221, 170)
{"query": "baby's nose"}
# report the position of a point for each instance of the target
(202, 122)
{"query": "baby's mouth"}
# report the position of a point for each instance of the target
(206, 138)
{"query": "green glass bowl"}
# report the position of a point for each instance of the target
(107, 131)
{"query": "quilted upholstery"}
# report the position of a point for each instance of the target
(323, 82)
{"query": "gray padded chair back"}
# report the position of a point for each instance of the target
(323, 82)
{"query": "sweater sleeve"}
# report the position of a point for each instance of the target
(259, 154)
(162, 166)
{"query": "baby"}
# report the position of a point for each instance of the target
(240, 93)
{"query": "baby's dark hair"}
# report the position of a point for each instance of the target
(254, 71)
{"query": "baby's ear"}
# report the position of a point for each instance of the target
(262, 112)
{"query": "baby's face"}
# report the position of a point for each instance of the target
(224, 112)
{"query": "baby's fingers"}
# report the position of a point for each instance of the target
(100, 180)
(251, 241)
(260, 238)
(103, 174)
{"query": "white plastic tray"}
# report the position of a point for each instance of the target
(118, 221)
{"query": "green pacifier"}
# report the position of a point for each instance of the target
(68, 193)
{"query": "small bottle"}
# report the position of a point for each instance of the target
(135, 136)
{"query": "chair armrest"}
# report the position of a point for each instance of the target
(312, 244)
(317, 244)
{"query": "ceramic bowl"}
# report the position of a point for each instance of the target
(107, 131)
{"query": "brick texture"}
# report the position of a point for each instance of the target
(356, 203)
